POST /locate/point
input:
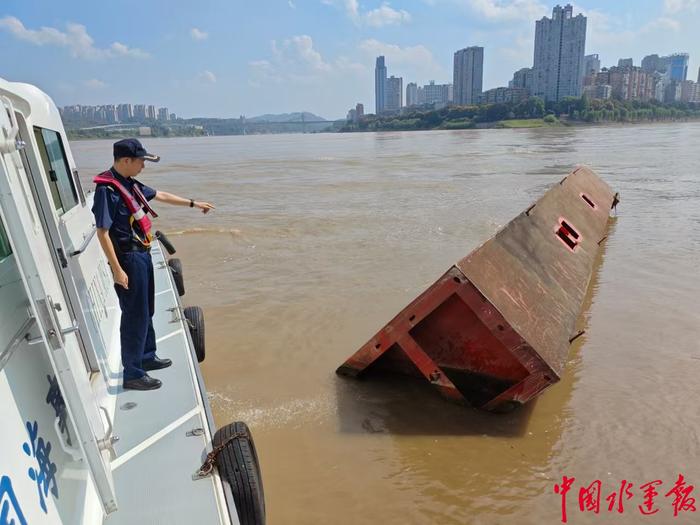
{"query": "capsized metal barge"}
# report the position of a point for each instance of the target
(495, 330)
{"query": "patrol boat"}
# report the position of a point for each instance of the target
(75, 446)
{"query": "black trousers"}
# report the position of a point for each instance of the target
(138, 339)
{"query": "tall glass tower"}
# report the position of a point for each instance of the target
(380, 85)
(678, 66)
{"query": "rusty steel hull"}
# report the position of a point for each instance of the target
(495, 330)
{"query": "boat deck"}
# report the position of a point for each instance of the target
(156, 457)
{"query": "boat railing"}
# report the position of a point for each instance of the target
(15, 342)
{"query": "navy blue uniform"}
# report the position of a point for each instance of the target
(138, 339)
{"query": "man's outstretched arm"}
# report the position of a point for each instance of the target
(169, 198)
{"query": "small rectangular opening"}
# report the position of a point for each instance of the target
(569, 229)
(567, 234)
(589, 201)
(567, 240)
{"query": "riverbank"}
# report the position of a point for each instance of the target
(533, 123)
(529, 113)
(501, 124)
(451, 118)
(101, 133)
(564, 122)
(525, 123)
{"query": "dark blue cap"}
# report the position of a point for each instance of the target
(134, 149)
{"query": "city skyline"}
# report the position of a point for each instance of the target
(116, 113)
(315, 56)
(560, 70)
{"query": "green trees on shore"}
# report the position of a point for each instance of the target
(629, 111)
(571, 109)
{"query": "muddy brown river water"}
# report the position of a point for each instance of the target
(318, 240)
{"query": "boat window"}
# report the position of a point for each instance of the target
(63, 191)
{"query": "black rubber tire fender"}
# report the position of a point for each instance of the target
(238, 465)
(165, 242)
(195, 321)
(175, 266)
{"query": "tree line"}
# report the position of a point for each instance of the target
(575, 109)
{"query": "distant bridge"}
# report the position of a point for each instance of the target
(246, 122)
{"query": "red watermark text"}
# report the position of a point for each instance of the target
(647, 498)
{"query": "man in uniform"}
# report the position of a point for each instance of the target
(123, 229)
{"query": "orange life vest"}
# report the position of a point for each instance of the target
(137, 205)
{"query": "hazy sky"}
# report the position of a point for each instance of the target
(227, 58)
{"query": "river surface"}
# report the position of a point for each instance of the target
(319, 240)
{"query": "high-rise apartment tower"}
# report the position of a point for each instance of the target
(591, 64)
(394, 93)
(411, 94)
(560, 44)
(468, 75)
